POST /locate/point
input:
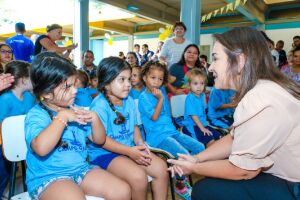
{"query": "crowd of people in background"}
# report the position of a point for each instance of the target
(240, 128)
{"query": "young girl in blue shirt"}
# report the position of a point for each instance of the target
(85, 94)
(124, 153)
(195, 116)
(137, 86)
(56, 134)
(16, 100)
(220, 109)
(156, 117)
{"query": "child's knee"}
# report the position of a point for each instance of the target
(124, 191)
(138, 179)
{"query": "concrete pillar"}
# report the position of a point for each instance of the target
(80, 29)
(130, 42)
(190, 15)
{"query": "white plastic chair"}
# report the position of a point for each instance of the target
(15, 149)
(178, 105)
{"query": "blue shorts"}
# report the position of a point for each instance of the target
(76, 178)
(200, 135)
(104, 160)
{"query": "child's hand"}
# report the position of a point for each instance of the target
(206, 131)
(5, 81)
(157, 93)
(140, 155)
(74, 115)
(86, 115)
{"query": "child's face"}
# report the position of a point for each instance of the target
(154, 79)
(120, 86)
(78, 83)
(64, 94)
(94, 82)
(131, 59)
(136, 77)
(6, 54)
(197, 85)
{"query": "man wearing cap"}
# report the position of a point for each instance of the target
(47, 42)
(22, 47)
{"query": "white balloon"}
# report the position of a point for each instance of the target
(107, 35)
(161, 30)
(67, 38)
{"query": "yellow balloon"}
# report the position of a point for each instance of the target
(110, 41)
(162, 36)
(168, 32)
(68, 43)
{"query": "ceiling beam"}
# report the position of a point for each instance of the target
(253, 10)
(149, 27)
(112, 26)
(146, 11)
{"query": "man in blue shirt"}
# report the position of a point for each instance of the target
(147, 54)
(22, 47)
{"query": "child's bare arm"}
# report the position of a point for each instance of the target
(200, 125)
(158, 94)
(46, 141)
(226, 105)
(99, 134)
(138, 140)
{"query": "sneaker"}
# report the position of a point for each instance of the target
(186, 182)
(185, 192)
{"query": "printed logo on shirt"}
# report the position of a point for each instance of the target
(124, 132)
(72, 146)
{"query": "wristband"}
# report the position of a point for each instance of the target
(61, 120)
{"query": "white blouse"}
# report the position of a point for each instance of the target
(266, 132)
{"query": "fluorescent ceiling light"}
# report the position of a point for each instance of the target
(40, 13)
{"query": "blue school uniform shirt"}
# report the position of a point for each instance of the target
(136, 93)
(84, 96)
(10, 105)
(163, 127)
(217, 98)
(194, 106)
(22, 47)
(60, 161)
(122, 133)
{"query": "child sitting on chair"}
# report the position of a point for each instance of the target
(137, 86)
(16, 100)
(194, 115)
(84, 96)
(156, 117)
(124, 153)
(220, 110)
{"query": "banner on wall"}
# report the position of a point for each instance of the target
(225, 9)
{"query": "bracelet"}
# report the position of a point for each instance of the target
(61, 120)
(197, 160)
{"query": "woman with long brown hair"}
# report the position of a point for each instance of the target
(260, 157)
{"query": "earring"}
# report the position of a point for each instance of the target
(41, 98)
